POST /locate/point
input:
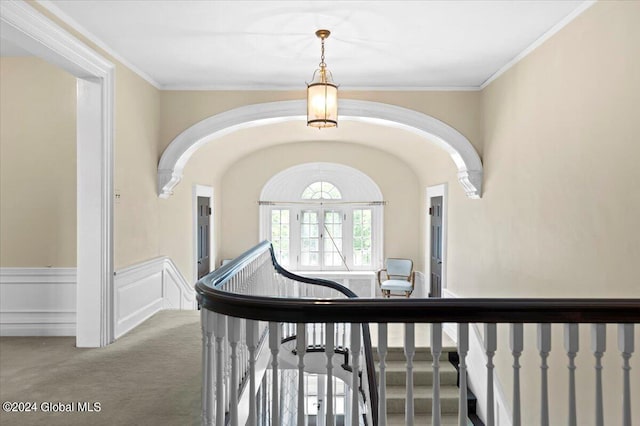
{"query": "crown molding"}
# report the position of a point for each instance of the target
(51, 7)
(301, 87)
(544, 37)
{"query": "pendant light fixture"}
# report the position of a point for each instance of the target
(322, 93)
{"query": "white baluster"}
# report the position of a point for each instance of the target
(274, 345)
(516, 344)
(382, 388)
(355, 365)
(227, 371)
(490, 345)
(329, 351)
(463, 349)
(598, 347)
(626, 346)
(544, 347)
(208, 404)
(409, 352)
(571, 345)
(436, 351)
(252, 344)
(301, 348)
(219, 332)
(234, 338)
(313, 339)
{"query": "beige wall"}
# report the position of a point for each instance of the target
(38, 169)
(559, 214)
(182, 109)
(244, 180)
(37, 164)
(136, 215)
(136, 135)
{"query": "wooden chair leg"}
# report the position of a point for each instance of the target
(408, 293)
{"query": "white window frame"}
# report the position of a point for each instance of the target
(284, 191)
(295, 214)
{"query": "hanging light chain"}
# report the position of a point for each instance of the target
(322, 63)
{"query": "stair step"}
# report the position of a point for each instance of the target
(424, 419)
(396, 372)
(422, 399)
(421, 354)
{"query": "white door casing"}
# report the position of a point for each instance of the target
(26, 27)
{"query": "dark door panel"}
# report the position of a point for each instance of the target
(204, 212)
(435, 287)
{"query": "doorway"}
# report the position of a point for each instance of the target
(26, 27)
(436, 240)
(203, 260)
(203, 236)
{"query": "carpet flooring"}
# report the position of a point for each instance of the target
(151, 376)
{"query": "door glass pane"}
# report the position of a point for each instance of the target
(332, 238)
(280, 235)
(309, 239)
(362, 237)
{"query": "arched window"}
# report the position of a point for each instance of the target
(323, 216)
(321, 191)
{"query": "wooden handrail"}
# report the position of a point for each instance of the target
(422, 310)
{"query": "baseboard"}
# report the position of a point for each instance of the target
(42, 301)
(37, 301)
(477, 372)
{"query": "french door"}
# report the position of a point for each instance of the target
(321, 239)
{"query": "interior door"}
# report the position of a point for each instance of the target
(204, 212)
(435, 288)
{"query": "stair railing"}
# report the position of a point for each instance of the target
(232, 344)
(255, 289)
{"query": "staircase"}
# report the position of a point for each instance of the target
(422, 389)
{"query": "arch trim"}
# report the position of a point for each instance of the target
(461, 151)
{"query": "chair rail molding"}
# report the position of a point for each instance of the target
(38, 301)
(177, 154)
(42, 301)
(148, 287)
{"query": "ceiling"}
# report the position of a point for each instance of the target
(403, 45)
(9, 48)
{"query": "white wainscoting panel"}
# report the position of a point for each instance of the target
(42, 301)
(143, 289)
(477, 372)
(37, 301)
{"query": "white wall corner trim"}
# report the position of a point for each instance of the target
(146, 288)
(477, 371)
(37, 301)
(25, 26)
(459, 148)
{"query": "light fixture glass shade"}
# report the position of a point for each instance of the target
(322, 103)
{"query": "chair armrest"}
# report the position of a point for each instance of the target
(413, 280)
(379, 273)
